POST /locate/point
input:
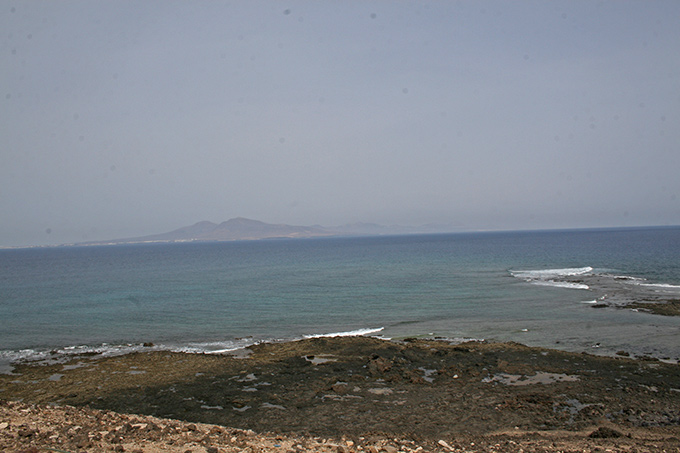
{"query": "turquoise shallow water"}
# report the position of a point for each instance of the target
(215, 296)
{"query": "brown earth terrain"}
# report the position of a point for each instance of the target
(344, 394)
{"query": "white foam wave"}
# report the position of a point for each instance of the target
(103, 350)
(352, 333)
(660, 285)
(461, 340)
(213, 347)
(627, 278)
(58, 355)
(544, 274)
(551, 277)
(61, 355)
(639, 281)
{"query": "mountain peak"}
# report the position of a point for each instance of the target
(203, 224)
(242, 221)
(241, 228)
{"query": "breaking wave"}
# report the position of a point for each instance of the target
(554, 277)
(351, 333)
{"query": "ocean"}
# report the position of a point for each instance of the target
(537, 287)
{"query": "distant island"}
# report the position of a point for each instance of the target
(242, 229)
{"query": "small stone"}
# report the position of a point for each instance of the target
(445, 444)
(340, 388)
(4, 425)
(82, 441)
(390, 449)
(25, 432)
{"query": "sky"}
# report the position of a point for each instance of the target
(126, 118)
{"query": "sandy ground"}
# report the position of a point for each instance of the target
(344, 395)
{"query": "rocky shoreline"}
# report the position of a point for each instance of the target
(345, 394)
(624, 292)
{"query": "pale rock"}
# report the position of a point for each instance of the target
(445, 444)
(381, 391)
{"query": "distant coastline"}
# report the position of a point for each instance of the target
(243, 229)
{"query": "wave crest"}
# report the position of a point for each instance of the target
(554, 277)
(351, 333)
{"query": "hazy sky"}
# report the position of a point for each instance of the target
(124, 118)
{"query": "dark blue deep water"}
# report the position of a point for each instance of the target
(215, 296)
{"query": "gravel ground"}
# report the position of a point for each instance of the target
(344, 395)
